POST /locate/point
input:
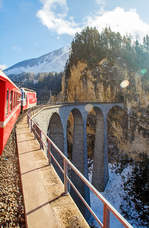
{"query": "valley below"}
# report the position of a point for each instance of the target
(94, 71)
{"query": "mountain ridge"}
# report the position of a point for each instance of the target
(53, 61)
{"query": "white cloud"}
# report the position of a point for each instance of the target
(53, 15)
(102, 4)
(3, 67)
(125, 22)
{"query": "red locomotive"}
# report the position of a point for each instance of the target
(11, 98)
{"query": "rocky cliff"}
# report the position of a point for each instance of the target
(97, 64)
(102, 83)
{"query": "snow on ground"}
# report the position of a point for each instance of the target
(114, 193)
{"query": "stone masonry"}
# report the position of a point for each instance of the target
(53, 121)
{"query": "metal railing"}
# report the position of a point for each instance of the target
(48, 144)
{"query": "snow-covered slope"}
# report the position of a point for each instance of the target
(51, 62)
(120, 198)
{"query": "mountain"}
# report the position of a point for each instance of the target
(51, 62)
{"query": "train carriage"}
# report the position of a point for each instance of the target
(10, 107)
(28, 98)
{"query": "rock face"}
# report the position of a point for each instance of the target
(102, 83)
(86, 84)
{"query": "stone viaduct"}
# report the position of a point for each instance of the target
(53, 121)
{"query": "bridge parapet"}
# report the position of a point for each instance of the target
(43, 119)
(107, 208)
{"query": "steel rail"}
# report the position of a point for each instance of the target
(47, 148)
(85, 203)
(107, 206)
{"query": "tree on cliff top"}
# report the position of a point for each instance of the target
(90, 46)
(86, 47)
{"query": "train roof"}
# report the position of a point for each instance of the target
(29, 90)
(6, 77)
(3, 74)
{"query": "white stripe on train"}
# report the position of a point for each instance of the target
(32, 105)
(4, 123)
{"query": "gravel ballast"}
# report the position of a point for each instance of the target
(11, 198)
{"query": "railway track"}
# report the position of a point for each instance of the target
(11, 197)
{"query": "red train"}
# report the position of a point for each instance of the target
(12, 101)
(28, 98)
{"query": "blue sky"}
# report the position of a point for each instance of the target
(31, 28)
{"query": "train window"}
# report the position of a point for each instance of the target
(14, 99)
(17, 98)
(7, 101)
(23, 95)
(11, 100)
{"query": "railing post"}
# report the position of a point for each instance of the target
(65, 177)
(49, 152)
(31, 124)
(35, 131)
(28, 120)
(40, 139)
(106, 217)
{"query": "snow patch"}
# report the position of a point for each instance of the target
(52, 62)
(114, 193)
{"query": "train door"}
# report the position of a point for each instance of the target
(23, 99)
(2, 100)
(26, 99)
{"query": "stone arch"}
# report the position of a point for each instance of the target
(79, 159)
(55, 131)
(77, 156)
(98, 175)
(56, 134)
(117, 129)
(118, 107)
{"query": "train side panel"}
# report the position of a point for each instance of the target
(9, 108)
(2, 96)
(32, 100)
(28, 98)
